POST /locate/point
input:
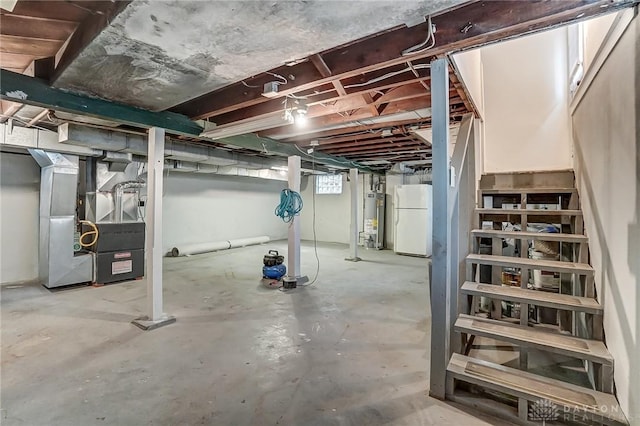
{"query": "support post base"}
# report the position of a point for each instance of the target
(148, 324)
(352, 259)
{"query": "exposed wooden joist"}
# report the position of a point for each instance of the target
(41, 68)
(15, 61)
(460, 91)
(9, 109)
(320, 65)
(21, 26)
(377, 148)
(372, 136)
(353, 129)
(88, 29)
(373, 107)
(379, 143)
(62, 11)
(491, 21)
(361, 114)
(27, 46)
(330, 144)
(327, 98)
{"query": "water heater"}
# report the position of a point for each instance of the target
(374, 220)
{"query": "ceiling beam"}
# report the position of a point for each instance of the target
(374, 135)
(270, 146)
(490, 21)
(349, 132)
(380, 143)
(86, 32)
(9, 109)
(33, 91)
(375, 149)
(329, 144)
(327, 98)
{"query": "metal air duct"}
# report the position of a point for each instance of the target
(58, 264)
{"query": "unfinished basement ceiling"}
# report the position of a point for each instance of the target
(157, 54)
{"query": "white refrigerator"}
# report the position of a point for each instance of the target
(413, 216)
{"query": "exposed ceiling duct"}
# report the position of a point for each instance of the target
(136, 144)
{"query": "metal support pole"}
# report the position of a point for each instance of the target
(353, 230)
(441, 297)
(153, 238)
(293, 255)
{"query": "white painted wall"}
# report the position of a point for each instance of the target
(19, 212)
(202, 208)
(469, 65)
(526, 117)
(606, 127)
(197, 208)
(333, 211)
(595, 31)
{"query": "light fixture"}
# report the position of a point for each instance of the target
(301, 118)
(280, 168)
(300, 110)
(249, 125)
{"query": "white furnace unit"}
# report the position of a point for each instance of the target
(413, 215)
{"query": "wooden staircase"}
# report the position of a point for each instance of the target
(529, 312)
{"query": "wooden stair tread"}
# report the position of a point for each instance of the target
(530, 212)
(592, 350)
(523, 262)
(517, 191)
(526, 235)
(601, 406)
(535, 297)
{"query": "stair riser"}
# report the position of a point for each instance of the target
(572, 413)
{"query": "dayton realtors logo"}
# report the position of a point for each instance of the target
(544, 411)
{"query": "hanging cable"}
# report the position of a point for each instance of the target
(425, 45)
(315, 238)
(389, 75)
(290, 205)
(94, 232)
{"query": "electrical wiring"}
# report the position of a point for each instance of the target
(429, 42)
(388, 75)
(93, 232)
(347, 162)
(315, 238)
(23, 121)
(284, 80)
(249, 85)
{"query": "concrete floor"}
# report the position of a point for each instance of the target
(353, 349)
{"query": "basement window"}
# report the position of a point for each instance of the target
(329, 184)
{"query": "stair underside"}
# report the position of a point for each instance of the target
(592, 350)
(595, 406)
(524, 235)
(534, 297)
(541, 264)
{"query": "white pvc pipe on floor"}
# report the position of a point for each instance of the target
(191, 249)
